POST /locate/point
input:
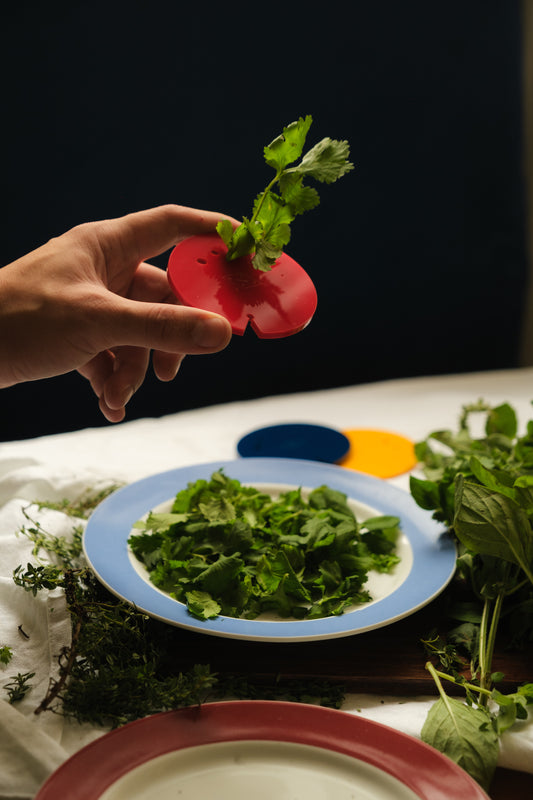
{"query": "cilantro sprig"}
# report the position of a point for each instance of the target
(230, 549)
(267, 231)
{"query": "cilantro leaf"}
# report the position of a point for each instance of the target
(288, 147)
(298, 197)
(326, 161)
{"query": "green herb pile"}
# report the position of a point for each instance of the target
(482, 488)
(267, 231)
(230, 549)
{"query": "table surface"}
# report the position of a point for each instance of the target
(55, 466)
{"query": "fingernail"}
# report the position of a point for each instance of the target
(210, 332)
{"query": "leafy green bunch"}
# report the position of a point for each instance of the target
(267, 231)
(230, 549)
(481, 487)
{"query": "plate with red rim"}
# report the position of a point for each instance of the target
(427, 553)
(235, 750)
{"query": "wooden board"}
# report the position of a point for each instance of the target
(389, 660)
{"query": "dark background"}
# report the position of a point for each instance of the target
(418, 255)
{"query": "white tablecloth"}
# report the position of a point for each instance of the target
(64, 465)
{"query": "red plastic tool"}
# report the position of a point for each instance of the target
(276, 303)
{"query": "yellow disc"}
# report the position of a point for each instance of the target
(381, 453)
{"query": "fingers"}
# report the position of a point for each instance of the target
(111, 414)
(115, 377)
(129, 329)
(166, 365)
(129, 371)
(158, 326)
(98, 371)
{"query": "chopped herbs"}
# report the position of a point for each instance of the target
(230, 549)
(268, 230)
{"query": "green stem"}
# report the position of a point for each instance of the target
(528, 572)
(485, 678)
(451, 679)
(435, 675)
(263, 196)
(484, 667)
(518, 586)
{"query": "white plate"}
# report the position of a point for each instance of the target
(427, 552)
(259, 769)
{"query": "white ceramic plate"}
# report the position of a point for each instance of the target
(427, 552)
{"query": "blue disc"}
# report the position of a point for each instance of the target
(295, 440)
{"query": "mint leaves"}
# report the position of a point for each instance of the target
(231, 549)
(267, 231)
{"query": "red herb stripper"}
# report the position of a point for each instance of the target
(277, 303)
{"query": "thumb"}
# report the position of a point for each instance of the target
(160, 326)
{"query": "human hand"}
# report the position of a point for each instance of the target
(88, 301)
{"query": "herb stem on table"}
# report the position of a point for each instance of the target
(438, 674)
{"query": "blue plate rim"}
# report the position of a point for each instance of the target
(107, 531)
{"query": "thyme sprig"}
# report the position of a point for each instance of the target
(82, 506)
